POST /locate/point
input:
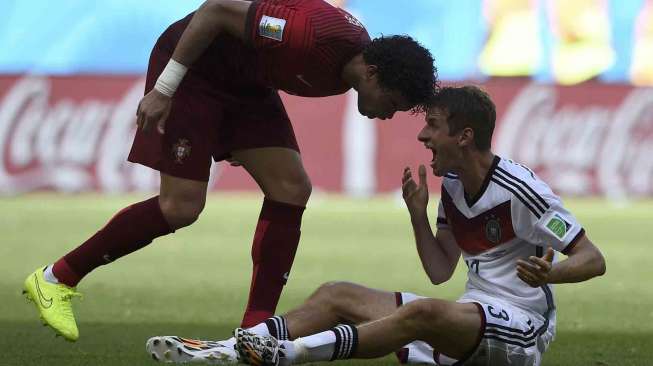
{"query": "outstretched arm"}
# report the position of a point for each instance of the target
(584, 261)
(211, 19)
(438, 253)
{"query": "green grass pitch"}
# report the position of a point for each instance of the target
(194, 283)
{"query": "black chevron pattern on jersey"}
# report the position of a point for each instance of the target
(529, 188)
(520, 189)
(511, 189)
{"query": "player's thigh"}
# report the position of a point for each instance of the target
(355, 303)
(195, 120)
(510, 337)
(451, 328)
(279, 172)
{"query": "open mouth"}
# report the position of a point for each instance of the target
(434, 159)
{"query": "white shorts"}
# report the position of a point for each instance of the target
(510, 337)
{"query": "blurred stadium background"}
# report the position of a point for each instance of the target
(573, 84)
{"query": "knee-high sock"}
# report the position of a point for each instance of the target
(130, 229)
(340, 342)
(273, 251)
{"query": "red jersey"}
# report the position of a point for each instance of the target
(298, 46)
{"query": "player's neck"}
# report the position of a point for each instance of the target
(354, 70)
(474, 170)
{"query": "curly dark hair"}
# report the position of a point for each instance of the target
(468, 106)
(406, 66)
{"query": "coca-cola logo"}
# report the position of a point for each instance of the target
(67, 145)
(589, 149)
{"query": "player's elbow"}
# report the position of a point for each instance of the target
(440, 277)
(438, 281)
(214, 8)
(600, 264)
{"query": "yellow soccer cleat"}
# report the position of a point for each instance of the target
(53, 302)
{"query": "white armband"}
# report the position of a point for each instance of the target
(170, 78)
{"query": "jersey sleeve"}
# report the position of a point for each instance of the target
(275, 24)
(294, 25)
(539, 217)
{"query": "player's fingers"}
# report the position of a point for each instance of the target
(143, 123)
(524, 264)
(532, 275)
(541, 263)
(408, 186)
(527, 280)
(161, 126)
(548, 256)
(531, 272)
(407, 176)
(422, 175)
(147, 123)
(139, 121)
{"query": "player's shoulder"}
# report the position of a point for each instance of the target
(322, 13)
(523, 184)
(512, 168)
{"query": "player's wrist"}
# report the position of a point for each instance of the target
(170, 78)
(418, 215)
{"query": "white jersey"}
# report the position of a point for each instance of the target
(515, 215)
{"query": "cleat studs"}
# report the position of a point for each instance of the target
(179, 351)
(166, 355)
(168, 343)
(156, 342)
(155, 357)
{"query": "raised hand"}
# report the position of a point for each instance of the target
(153, 109)
(535, 271)
(416, 194)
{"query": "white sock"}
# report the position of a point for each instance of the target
(49, 276)
(275, 326)
(288, 353)
(314, 348)
(260, 329)
(228, 342)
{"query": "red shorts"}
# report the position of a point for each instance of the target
(206, 124)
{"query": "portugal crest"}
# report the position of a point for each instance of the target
(493, 230)
(181, 150)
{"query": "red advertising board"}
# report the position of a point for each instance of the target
(74, 133)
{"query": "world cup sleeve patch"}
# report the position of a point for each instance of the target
(272, 28)
(558, 226)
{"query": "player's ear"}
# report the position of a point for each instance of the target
(370, 71)
(466, 137)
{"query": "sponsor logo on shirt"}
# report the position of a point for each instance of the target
(272, 28)
(558, 226)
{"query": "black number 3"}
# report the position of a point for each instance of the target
(502, 315)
